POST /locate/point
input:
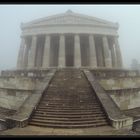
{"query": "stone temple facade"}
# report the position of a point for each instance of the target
(69, 40)
(69, 75)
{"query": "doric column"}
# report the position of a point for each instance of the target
(61, 55)
(25, 60)
(92, 51)
(46, 55)
(21, 54)
(116, 61)
(31, 62)
(118, 53)
(107, 56)
(113, 54)
(77, 51)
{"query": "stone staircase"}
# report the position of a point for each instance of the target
(69, 102)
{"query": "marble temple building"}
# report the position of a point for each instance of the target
(69, 40)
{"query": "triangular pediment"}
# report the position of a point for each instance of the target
(69, 18)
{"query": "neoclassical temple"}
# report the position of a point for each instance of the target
(69, 40)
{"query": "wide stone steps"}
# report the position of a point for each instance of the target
(69, 102)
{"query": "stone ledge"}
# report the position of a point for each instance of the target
(14, 89)
(25, 72)
(117, 118)
(115, 73)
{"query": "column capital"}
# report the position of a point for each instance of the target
(76, 37)
(76, 34)
(116, 38)
(21, 36)
(47, 35)
(34, 36)
(62, 34)
(91, 34)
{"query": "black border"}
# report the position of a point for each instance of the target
(58, 2)
(64, 2)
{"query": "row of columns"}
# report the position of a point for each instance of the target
(112, 55)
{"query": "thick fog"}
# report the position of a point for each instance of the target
(11, 16)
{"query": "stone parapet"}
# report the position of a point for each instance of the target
(28, 72)
(117, 118)
(115, 73)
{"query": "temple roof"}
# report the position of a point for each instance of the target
(69, 18)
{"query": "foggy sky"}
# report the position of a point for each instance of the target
(128, 17)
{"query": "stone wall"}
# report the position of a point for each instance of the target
(17, 86)
(123, 87)
(126, 100)
(13, 99)
(112, 73)
(21, 83)
(120, 83)
(22, 115)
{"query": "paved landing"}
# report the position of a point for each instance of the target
(34, 130)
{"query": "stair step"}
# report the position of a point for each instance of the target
(67, 122)
(69, 113)
(69, 119)
(68, 100)
(67, 126)
(67, 109)
(68, 116)
(69, 104)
